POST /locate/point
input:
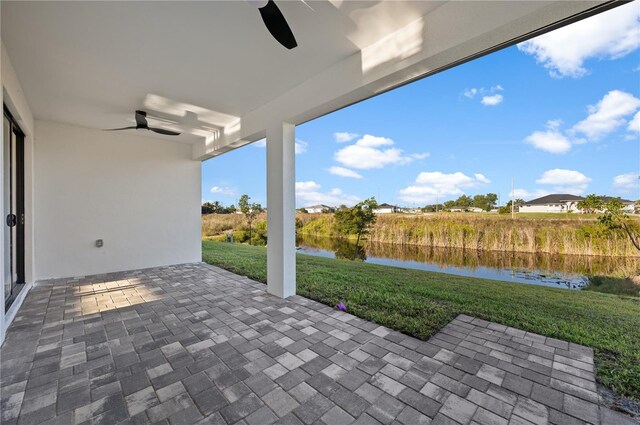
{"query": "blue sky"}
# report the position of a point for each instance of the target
(560, 113)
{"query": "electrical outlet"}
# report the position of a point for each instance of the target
(99, 243)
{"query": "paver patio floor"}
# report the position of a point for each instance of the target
(196, 344)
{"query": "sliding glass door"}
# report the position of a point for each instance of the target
(13, 206)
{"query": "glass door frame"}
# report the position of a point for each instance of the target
(17, 210)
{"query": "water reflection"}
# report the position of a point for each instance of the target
(567, 271)
(349, 251)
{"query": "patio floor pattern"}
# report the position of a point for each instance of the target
(196, 344)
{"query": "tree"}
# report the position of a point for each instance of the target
(356, 220)
(464, 201)
(591, 204)
(492, 200)
(433, 208)
(480, 201)
(506, 209)
(207, 208)
(250, 211)
(216, 207)
(614, 217)
(449, 204)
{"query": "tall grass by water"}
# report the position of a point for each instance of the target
(562, 234)
(470, 259)
(486, 232)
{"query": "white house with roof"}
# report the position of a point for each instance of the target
(386, 209)
(630, 207)
(563, 203)
(554, 203)
(320, 208)
(411, 210)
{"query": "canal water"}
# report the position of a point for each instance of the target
(560, 271)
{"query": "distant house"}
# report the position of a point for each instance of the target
(629, 206)
(562, 203)
(410, 210)
(386, 209)
(321, 208)
(456, 208)
(555, 203)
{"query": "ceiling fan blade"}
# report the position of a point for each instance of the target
(118, 129)
(277, 25)
(141, 119)
(163, 131)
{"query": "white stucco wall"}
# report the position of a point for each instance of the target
(13, 96)
(552, 208)
(140, 195)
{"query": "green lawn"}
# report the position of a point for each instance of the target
(419, 303)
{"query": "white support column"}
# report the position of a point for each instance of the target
(281, 210)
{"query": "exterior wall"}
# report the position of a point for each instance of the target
(549, 208)
(317, 209)
(384, 211)
(141, 195)
(13, 96)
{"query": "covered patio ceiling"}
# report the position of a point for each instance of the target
(211, 69)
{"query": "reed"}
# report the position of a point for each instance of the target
(491, 233)
(483, 232)
(218, 224)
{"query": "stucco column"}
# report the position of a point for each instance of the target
(281, 210)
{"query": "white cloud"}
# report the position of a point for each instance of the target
(568, 181)
(260, 143)
(491, 100)
(609, 35)
(435, 185)
(343, 136)
(608, 114)
(420, 155)
(470, 93)
(481, 178)
(551, 140)
(627, 183)
(528, 195)
(489, 95)
(634, 124)
(301, 146)
(220, 190)
(370, 152)
(309, 193)
(344, 172)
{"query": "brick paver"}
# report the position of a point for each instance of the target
(196, 344)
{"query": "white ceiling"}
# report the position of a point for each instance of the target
(93, 63)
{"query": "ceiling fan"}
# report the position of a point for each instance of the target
(275, 22)
(142, 124)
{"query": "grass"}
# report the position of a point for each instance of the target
(419, 303)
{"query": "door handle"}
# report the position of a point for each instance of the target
(12, 220)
